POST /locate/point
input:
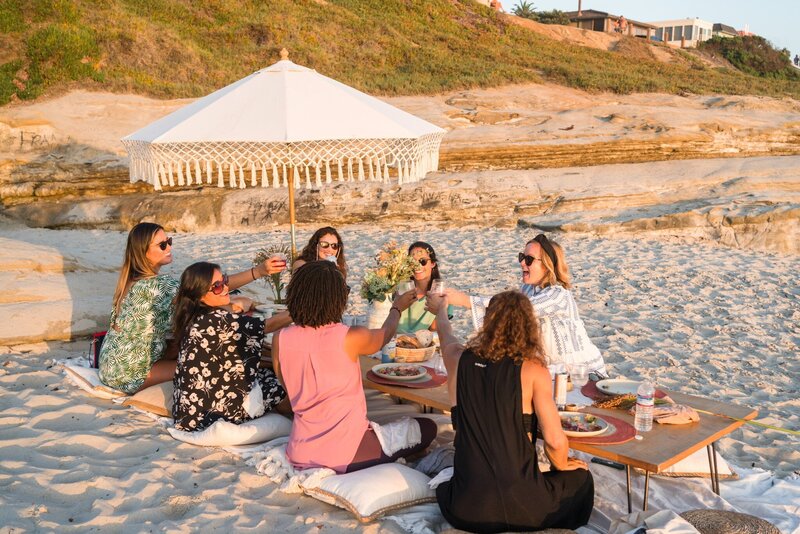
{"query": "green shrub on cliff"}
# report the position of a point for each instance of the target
(180, 48)
(754, 55)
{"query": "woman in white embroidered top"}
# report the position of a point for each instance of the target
(546, 283)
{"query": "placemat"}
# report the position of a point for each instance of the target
(590, 390)
(619, 433)
(431, 381)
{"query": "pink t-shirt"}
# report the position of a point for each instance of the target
(325, 389)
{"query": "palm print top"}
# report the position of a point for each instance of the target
(217, 370)
(137, 336)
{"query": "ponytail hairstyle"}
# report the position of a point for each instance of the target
(135, 266)
(195, 283)
(432, 254)
(554, 262)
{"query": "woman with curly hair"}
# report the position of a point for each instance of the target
(546, 282)
(500, 390)
(317, 360)
(325, 244)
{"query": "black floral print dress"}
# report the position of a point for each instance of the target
(217, 369)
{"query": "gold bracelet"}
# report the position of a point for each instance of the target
(252, 273)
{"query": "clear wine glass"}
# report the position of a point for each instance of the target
(438, 287)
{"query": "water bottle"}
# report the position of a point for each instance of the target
(645, 396)
(388, 351)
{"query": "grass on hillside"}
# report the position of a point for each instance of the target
(185, 48)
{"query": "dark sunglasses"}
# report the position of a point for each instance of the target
(164, 244)
(527, 259)
(323, 244)
(423, 261)
(219, 286)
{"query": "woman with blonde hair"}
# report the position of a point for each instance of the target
(500, 392)
(546, 282)
(132, 354)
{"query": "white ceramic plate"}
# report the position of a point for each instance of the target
(263, 308)
(616, 386)
(421, 371)
(581, 418)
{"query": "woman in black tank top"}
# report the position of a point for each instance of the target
(501, 391)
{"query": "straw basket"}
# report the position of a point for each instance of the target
(403, 354)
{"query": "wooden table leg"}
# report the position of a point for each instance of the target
(628, 479)
(646, 489)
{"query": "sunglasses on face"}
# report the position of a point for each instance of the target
(164, 244)
(423, 261)
(324, 244)
(219, 286)
(527, 259)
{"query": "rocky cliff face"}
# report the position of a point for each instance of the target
(62, 166)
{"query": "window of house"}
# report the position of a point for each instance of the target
(688, 31)
(678, 35)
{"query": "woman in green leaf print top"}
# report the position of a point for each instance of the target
(132, 355)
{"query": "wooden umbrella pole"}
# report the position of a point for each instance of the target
(291, 216)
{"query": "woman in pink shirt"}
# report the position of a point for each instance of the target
(317, 361)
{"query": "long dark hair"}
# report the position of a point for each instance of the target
(317, 294)
(195, 281)
(432, 254)
(510, 330)
(135, 266)
(309, 252)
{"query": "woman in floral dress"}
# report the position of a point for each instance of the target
(132, 356)
(218, 374)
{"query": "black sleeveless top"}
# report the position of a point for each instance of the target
(496, 484)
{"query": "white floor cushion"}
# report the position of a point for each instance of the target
(155, 399)
(375, 491)
(223, 433)
(88, 380)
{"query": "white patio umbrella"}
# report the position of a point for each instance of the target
(283, 126)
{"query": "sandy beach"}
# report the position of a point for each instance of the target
(698, 318)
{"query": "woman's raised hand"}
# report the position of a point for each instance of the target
(272, 265)
(434, 302)
(404, 300)
(457, 298)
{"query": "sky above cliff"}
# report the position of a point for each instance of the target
(773, 19)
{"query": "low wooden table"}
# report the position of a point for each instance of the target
(666, 445)
(661, 448)
(430, 398)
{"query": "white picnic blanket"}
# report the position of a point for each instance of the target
(756, 492)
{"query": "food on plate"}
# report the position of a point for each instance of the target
(399, 370)
(578, 423)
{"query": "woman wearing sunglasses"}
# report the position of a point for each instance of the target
(317, 360)
(416, 317)
(132, 355)
(325, 244)
(218, 374)
(546, 283)
(496, 434)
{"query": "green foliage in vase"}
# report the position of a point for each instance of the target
(276, 282)
(392, 266)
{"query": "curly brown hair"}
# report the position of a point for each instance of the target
(317, 294)
(510, 330)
